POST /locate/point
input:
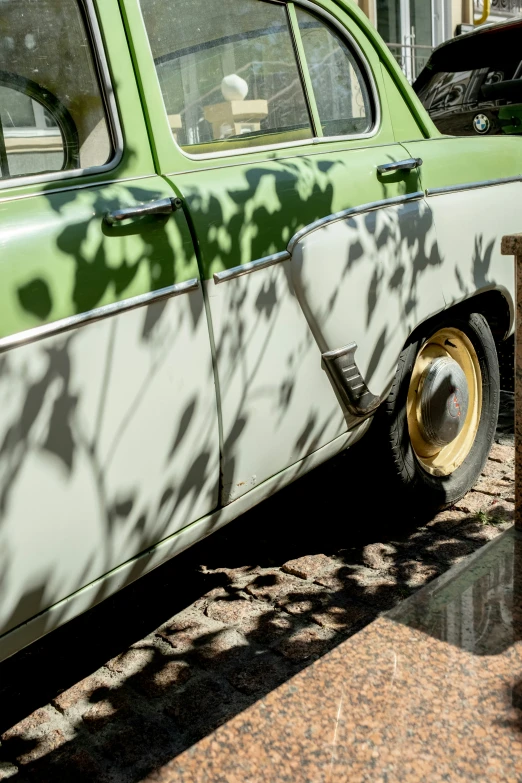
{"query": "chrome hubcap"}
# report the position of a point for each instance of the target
(444, 401)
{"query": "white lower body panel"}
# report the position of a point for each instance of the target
(108, 444)
(110, 583)
(277, 403)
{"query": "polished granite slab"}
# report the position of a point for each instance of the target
(431, 691)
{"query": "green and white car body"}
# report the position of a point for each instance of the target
(162, 375)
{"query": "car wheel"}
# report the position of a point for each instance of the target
(441, 414)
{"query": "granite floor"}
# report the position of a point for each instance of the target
(431, 691)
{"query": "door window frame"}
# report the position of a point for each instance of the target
(112, 118)
(295, 33)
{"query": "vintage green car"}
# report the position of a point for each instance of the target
(230, 234)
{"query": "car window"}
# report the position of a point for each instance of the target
(52, 114)
(341, 92)
(228, 73)
(491, 84)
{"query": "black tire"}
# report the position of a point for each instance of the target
(418, 487)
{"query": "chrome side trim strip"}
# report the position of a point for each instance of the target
(106, 311)
(487, 183)
(352, 212)
(252, 266)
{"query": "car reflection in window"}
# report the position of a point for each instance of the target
(37, 133)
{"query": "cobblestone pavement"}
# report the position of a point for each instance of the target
(118, 692)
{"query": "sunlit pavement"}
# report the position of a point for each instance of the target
(131, 685)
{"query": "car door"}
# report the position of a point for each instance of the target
(108, 420)
(270, 120)
(474, 183)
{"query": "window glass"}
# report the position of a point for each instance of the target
(495, 84)
(227, 71)
(52, 114)
(340, 90)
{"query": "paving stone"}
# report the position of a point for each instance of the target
(502, 510)
(268, 627)
(30, 749)
(34, 721)
(377, 590)
(131, 745)
(222, 647)
(306, 643)
(294, 595)
(7, 770)
(202, 705)
(415, 573)
(78, 766)
(232, 610)
(310, 566)
(474, 502)
(493, 486)
(35, 736)
(260, 675)
(337, 581)
(450, 519)
(189, 630)
(476, 531)
(503, 454)
(498, 470)
(96, 700)
(343, 618)
(132, 661)
(163, 677)
(451, 550)
(378, 556)
(98, 683)
(98, 715)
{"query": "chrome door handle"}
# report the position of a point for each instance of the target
(163, 207)
(400, 165)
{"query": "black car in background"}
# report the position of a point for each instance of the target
(473, 83)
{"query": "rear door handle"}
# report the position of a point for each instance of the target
(400, 165)
(162, 207)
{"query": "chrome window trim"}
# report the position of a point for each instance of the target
(285, 255)
(111, 110)
(352, 212)
(487, 183)
(252, 266)
(80, 186)
(272, 159)
(366, 70)
(91, 316)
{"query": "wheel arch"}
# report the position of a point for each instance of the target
(496, 305)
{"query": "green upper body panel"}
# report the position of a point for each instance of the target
(58, 256)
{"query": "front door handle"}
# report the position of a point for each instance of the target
(400, 165)
(162, 207)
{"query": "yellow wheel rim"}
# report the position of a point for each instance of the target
(445, 348)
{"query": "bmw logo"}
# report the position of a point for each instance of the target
(481, 123)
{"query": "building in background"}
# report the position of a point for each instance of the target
(413, 28)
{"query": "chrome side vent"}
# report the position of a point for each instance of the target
(350, 385)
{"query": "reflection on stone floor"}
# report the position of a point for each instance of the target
(475, 606)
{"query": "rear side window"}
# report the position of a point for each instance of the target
(342, 96)
(231, 74)
(52, 115)
(497, 83)
(228, 72)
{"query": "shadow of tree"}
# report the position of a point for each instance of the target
(248, 609)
